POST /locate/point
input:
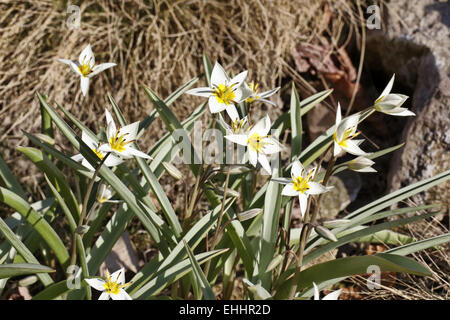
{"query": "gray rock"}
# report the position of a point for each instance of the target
(415, 46)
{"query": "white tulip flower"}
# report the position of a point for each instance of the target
(331, 296)
(105, 193)
(112, 287)
(361, 164)
(259, 144)
(259, 96)
(224, 92)
(390, 103)
(85, 67)
(111, 161)
(238, 126)
(120, 140)
(345, 131)
(301, 185)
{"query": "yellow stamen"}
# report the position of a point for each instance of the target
(238, 125)
(256, 142)
(113, 286)
(118, 143)
(301, 184)
(98, 153)
(254, 88)
(345, 137)
(224, 94)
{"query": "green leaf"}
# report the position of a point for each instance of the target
(361, 233)
(420, 245)
(53, 291)
(172, 123)
(10, 182)
(199, 275)
(37, 222)
(296, 124)
(20, 269)
(344, 267)
(59, 180)
(208, 69)
(166, 276)
(152, 181)
(23, 251)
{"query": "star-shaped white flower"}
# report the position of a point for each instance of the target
(345, 131)
(85, 67)
(259, 96)
(301, 185)
(120, 140)
(238, 126)
(331, 296)
(111, 161)
(361, 164)
(259, 144)
(390, 103)
(224, 92)
(113, 287)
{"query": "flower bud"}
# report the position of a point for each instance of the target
(172, 170)
(361, 164)
(249, 214)
(325, 233)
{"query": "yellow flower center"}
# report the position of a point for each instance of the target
(254, 88)
(301, 184)
(85, 69)
(238, 125)
(118, 143)
(345, 137)
(224, 94)
(113, 287)
(256, 142)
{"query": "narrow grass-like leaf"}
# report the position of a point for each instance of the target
(200, 276)
(20, 269)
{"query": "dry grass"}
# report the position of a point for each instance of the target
(156, 43)
(159, 44)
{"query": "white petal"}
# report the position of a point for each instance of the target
(271, 146)
(289, 190)
(101, 67)
(84, 85)
(268, 101)
(87, 56)
(110, 125)
(303, 199)
(215, 106)
(130, 131)
(239, 79)
(87, 164)
(338, 115)
(104, 296)
(316, 188)
(262, 127)
(91, 143)
(119, 276)
(136, 153)
(388, 89)
(241, 139)
(77, 157)
(297, 169)
(262, 159)
(332, 296)
(394, 99)
(252, 157)
(269, 93)
(218, 76)
(232, 112)
(353, 148)
(201, 92)
(113, 161)
(337, 149)
(316, 292)
(96, 283)
(403, 113)
(72, 65)
(122, 295)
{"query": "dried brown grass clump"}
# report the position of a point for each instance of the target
(156, 43)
